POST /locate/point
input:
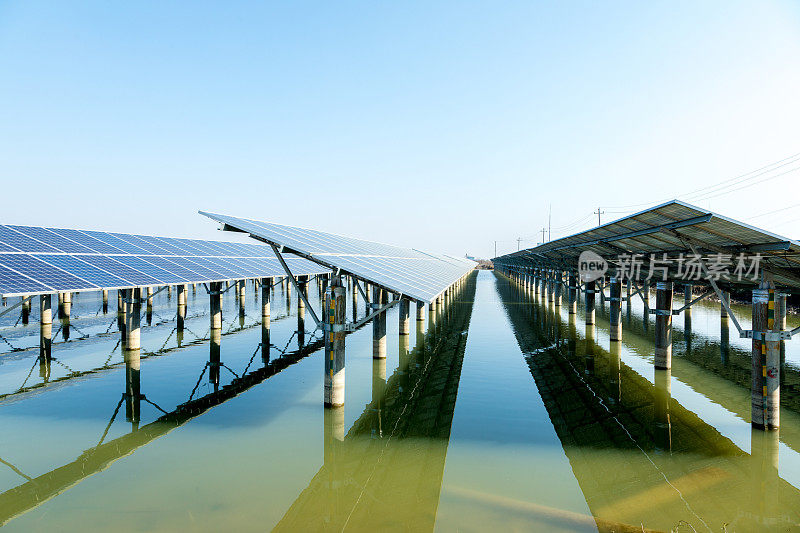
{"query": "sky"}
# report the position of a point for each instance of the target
(444, 126)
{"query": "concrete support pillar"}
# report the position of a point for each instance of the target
(181, 307)
(766, 370)
(688, 292)
(380, 297)
(334, 319)
(46, 329)
(557, 287)
(628, 290)
(133, 307)
(420, 313)
(266, 292)
(663, 334)
(215, 300)
(302, 284)
(723, 313)
(615, 309)
(589, 291)
(432, 313)
(66, 305)
(105, 301)
(551, 286)
(131, 355)
(242, 288)
(404, 322)
(573, 292)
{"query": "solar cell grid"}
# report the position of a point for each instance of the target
(413, 273)
(43, 272)
(84, 270)
(116, 242)
(86, 240)
(148, 247)
(13, 283)
(22, 242)
(52, 239)
(133, 276)
(174, 268)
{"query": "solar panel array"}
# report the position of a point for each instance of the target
(413, 273)
(36, 260)
(673, 227)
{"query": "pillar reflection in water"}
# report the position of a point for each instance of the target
(724, 340)
(333, 455)
(378, 394)
(589, 347)
(214, 361)
(615, 369)
(661, 410)
(266, 291)
(64, 312)
(765, 481)
(132, 350)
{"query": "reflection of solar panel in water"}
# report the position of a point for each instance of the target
(412, 273)
(43, 260)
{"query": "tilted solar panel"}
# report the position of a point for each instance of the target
(412, 273)
(43, 260)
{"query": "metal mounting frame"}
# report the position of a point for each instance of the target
(352, 326)
(300, 294)
(19, 303)
(686, 306)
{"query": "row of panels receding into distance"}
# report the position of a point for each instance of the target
(38, 260)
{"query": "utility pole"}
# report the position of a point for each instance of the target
(519, 240)
(598, 213)
(549, 223)
(543, 230)
(495, 248)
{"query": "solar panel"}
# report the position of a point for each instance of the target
(14, 283)
(133, 276)
(413, 273)
(43, 272)
(86, 240)
(22, 242)
(53, 239)
(84, 270)
(673, 228)
(42, 260)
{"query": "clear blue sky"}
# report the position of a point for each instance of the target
(441, 125)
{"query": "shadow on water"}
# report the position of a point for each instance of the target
(639, 456)
(386, 470)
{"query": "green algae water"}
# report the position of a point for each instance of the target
(503, 412)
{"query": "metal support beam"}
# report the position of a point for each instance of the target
(296, 286)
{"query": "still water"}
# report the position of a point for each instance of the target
(503, 412)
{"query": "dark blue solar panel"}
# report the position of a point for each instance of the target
(193, 264)
(53, 239)
(6, 248)
(116, 242)
(171, 266)
(84, 270)
(240, 269)
(212, 265)
(215, 249)
(171, 249)
(108, 264)
(191, 247)
(44, 273)
(87, 240)
(23, 242)
(13, 283)
(140, 264)
(148, 247)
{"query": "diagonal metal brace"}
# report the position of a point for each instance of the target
(352, 326)
(16, 305)
(719, 294)
(701, 297)
(278, 254)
